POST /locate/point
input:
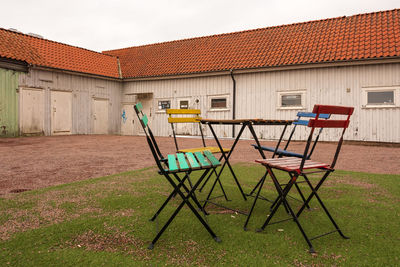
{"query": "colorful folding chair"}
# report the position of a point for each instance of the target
(171, 166)
(286, 153)
(299, 122)
(193, 116)
(296, 167)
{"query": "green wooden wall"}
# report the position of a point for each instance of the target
(8, 103)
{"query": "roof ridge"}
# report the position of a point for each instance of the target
(251, 30)
(51, 41)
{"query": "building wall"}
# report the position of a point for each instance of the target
(8, 102)
(181, 89)
(84, 90)
(258, 94)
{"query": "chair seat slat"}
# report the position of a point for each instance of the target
(192, 161)
(183, 165)
(291, 164)
(204, 163)
(173, 167)
(214, 161)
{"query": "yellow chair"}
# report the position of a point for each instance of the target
(192, 116)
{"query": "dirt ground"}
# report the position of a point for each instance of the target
(36, 162)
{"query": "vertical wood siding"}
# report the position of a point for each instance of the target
(192, 89)
(83, 89)
(8, 102)
(257, 97)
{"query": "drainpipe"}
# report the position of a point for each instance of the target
(233, 102)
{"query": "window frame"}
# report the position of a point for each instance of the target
(394, 89)
(163, 110)
(302, 93)
(178, 102)
(211, 97)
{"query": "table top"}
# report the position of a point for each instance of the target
(243, 121)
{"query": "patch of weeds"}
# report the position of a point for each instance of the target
(115, 241)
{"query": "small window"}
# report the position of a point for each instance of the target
(184, 104)
(380, 98)
(291, 100)
(164, 104)
(219, 103)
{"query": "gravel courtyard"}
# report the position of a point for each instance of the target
(35, 162)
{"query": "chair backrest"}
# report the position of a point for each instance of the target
(317, 122)
(158, 157)
(185, 116)
(304, 122)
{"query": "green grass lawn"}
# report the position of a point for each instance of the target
(104, 221)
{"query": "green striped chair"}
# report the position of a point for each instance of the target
(176, 168)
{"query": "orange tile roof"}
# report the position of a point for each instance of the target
(42, 52)
(366, 36)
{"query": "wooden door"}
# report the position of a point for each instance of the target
(128, 120)
(32, 111)
(61, 112)
(100, 116)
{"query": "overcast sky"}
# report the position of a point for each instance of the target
(110, 24)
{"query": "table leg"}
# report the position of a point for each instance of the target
(226, 158)
(253, 133)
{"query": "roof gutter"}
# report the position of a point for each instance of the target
(13, 64)
(233, 102)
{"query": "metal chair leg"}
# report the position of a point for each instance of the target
(314, 193)
(283, 194)
(185, 200)
(261, 183)
(173, 194)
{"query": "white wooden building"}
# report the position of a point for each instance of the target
(260, 95)
(265, 73)
(56, 103)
